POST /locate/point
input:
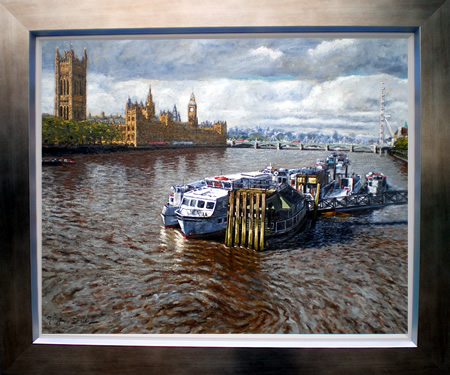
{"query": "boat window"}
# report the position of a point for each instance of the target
(186, 202)
(201, 204)
(192, 203)
(209, 205)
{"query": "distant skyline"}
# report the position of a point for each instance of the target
(293, 84)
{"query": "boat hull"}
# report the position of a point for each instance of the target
(168, 216)
(280, 238)
(192, 227)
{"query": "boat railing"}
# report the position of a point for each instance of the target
(363, 201)
(285, 225)
(244, 183)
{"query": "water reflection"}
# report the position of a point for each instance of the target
(110, 267)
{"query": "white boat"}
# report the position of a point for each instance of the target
(337, 160)
(345, 186)
(376, 183)
(320, 164)
(203, 212)
(177, 192)
(340, 165)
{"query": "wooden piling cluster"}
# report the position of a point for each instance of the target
(246, 218)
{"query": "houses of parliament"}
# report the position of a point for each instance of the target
(142, 126)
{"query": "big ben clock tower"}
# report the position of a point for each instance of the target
(192, 111)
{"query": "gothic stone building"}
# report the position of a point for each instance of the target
(70, 85)
(143, 127)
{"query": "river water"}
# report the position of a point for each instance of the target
(109, 266)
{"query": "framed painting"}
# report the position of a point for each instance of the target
(267, 89)
(430, 356)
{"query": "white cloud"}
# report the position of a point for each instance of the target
(357, 100)
(338, 104)
(264, 52)
(331, 47)
(238, 81)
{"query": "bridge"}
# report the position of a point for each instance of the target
(360, 201)
(295, 145)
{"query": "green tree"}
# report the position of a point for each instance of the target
(56, 131)
(401, 143)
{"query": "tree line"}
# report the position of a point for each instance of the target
(401, 143)
(56, 131)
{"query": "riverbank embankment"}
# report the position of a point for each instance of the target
(403, 156)
(62, 151)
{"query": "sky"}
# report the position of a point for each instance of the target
(293, 84)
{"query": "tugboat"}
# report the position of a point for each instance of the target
(376, 183)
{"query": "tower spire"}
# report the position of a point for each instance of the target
(149, 104)
(192, 111)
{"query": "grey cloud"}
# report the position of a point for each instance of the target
(240, 79)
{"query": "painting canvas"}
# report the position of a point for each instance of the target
(127, 119)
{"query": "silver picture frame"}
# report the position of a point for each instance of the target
(20, 355)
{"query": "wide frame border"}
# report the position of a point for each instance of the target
(230, 340)
(18, 355)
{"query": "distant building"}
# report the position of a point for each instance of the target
(109, 119)
(401, 132)
(192, 112)
(143, 127)
(70, 85)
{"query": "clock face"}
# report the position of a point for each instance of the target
(191, 109)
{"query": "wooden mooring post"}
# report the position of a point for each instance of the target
(246, 218)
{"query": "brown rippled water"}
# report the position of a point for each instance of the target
(109, 266)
